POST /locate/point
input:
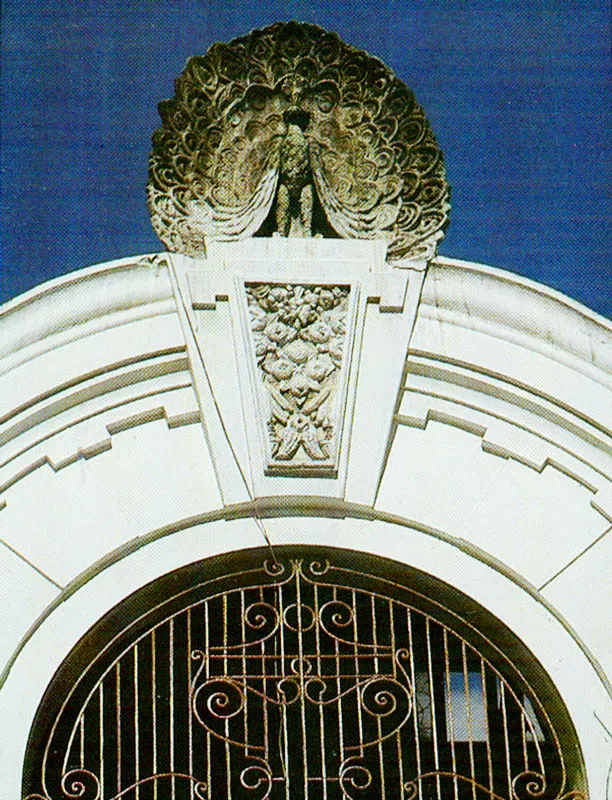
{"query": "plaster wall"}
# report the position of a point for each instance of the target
(478, 450)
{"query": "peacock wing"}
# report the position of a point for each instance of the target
(213, 169)
(237, 179)
(354, 170)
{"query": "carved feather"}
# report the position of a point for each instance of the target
(225, 149)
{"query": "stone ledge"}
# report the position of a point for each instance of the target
(476, 390)
(90, 436)
(602, 501)
(514, 308)
(81, 303)
(113, 385)
(502, 438)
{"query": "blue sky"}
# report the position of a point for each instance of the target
(518, 94)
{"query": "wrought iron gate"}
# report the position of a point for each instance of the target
(300, 678)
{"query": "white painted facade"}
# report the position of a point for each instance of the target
(476, 447)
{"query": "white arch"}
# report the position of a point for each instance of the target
(558, 651)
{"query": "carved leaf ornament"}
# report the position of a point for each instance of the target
(299, 335)
(286, 117)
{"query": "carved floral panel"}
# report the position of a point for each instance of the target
(299, 334)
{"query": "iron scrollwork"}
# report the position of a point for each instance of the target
(82, 784)
(305, 681)
(308, 677)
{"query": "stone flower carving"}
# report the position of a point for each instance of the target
(299, 334)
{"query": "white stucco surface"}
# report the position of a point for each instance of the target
(476, 446)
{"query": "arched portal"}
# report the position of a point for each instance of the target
(301, 673)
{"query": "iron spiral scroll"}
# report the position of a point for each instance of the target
(301, 678)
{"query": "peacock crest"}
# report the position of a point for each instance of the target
(291, 131)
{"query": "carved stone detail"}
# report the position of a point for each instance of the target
(290, 130)
(299, 336)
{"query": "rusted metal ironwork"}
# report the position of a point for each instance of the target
(299, 678)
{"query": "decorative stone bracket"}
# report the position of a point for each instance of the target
(294, 372)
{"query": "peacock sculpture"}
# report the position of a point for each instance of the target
(290, 131)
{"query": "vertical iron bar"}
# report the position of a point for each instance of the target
(434, 724)
(118, 722)
(320, 673)
(82, 739)
(207, 673)
(245, 727)
(486, 713)
(339, 685)
(81, 725)
(381, 760)
(101, 735)
(189, 719)
(285, 734)
(414, 689)
(506, 735)
(449, 706)
(171, 709)
(136, 728)
(154, 708)
(398, 733)
(298, 605)
(356, 659)
(468, 707)
(524, 737)
(228, 759)
(264, 705)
